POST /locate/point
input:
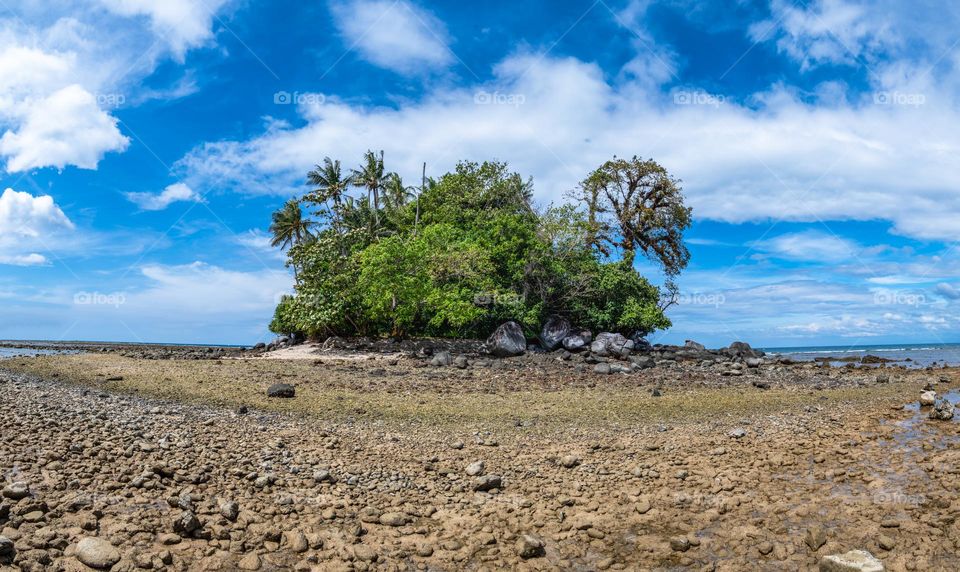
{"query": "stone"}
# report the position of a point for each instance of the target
(680, 543)
(602, 369)
(742, 350)
(885, 542)
(282, 391)
(507, 341)
(364, 553)
(853, 561)
(529, 546)
(296, 541)
(569, 461)
(441, 359)
(575, 343)
(487, 483)
(229, 510)
(97, 553)
(186, 524)
(322, 476)
(815, 538)
(738, 433)
(928, 398)
(942, 410)
(555, 330)
(461, 362)
(692, 345)
(250, 562)
(393, 519)
(16, 491)
(475, 469)
(608, 344)
(6, 547)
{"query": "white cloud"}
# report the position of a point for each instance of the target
(66, 128)
(813, 246)
(826, 31)
(183, 24)
(782, 158)
(393, 34)
(177, 192)
(948, 291)
(28, 223)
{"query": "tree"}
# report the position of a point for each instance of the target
(371, 176)
(289, 228)
(635, 205)
(329, 183)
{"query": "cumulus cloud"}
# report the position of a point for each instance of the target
(66, 128)
(779, 158)
(393, 34)
(177, 192)
(26, 223)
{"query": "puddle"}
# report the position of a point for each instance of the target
(9, 353)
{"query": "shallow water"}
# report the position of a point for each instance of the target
(7, 353)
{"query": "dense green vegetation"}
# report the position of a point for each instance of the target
(459, 255)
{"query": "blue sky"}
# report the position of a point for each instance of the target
(146, 142)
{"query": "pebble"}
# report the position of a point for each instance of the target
(16, 491)
(853, 561)
(569, 461)
(97, 553)
(476, 468)
(529, 546)
(487, 483)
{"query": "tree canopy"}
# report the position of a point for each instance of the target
(466, 251)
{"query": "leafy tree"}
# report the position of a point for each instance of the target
(636, 205)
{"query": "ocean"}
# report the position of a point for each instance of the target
(910, 355)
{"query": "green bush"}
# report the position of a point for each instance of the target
(471, 253)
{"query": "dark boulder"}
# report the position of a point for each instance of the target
(692, 345)
(507, 341)
(554, 331)
(281, 390)
(640, 343)
(742, 350)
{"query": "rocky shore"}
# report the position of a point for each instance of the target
(384, 461)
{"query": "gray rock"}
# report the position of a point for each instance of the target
(742, 350)
(853, 561)
(554, 332)
(461, 362)
(186, 524)
(576, 343)
(487, 483)
(6, 547)
(690, 344)
(393, 519)
(928, 398)
(529, 546)
(16, 491)
(229, 510)
(569, 461)
(942, 410)
(607, 344)
(322, 476)
(476, 468)
(281, 390)
(507, 341)
(738, 433)
(442, 359)
(602, 369)
(97, 553)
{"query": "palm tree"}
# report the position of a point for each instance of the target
(370, 176)
(289, 228)
(395, 194)
(329, 183)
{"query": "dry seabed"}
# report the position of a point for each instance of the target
(99, 480)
